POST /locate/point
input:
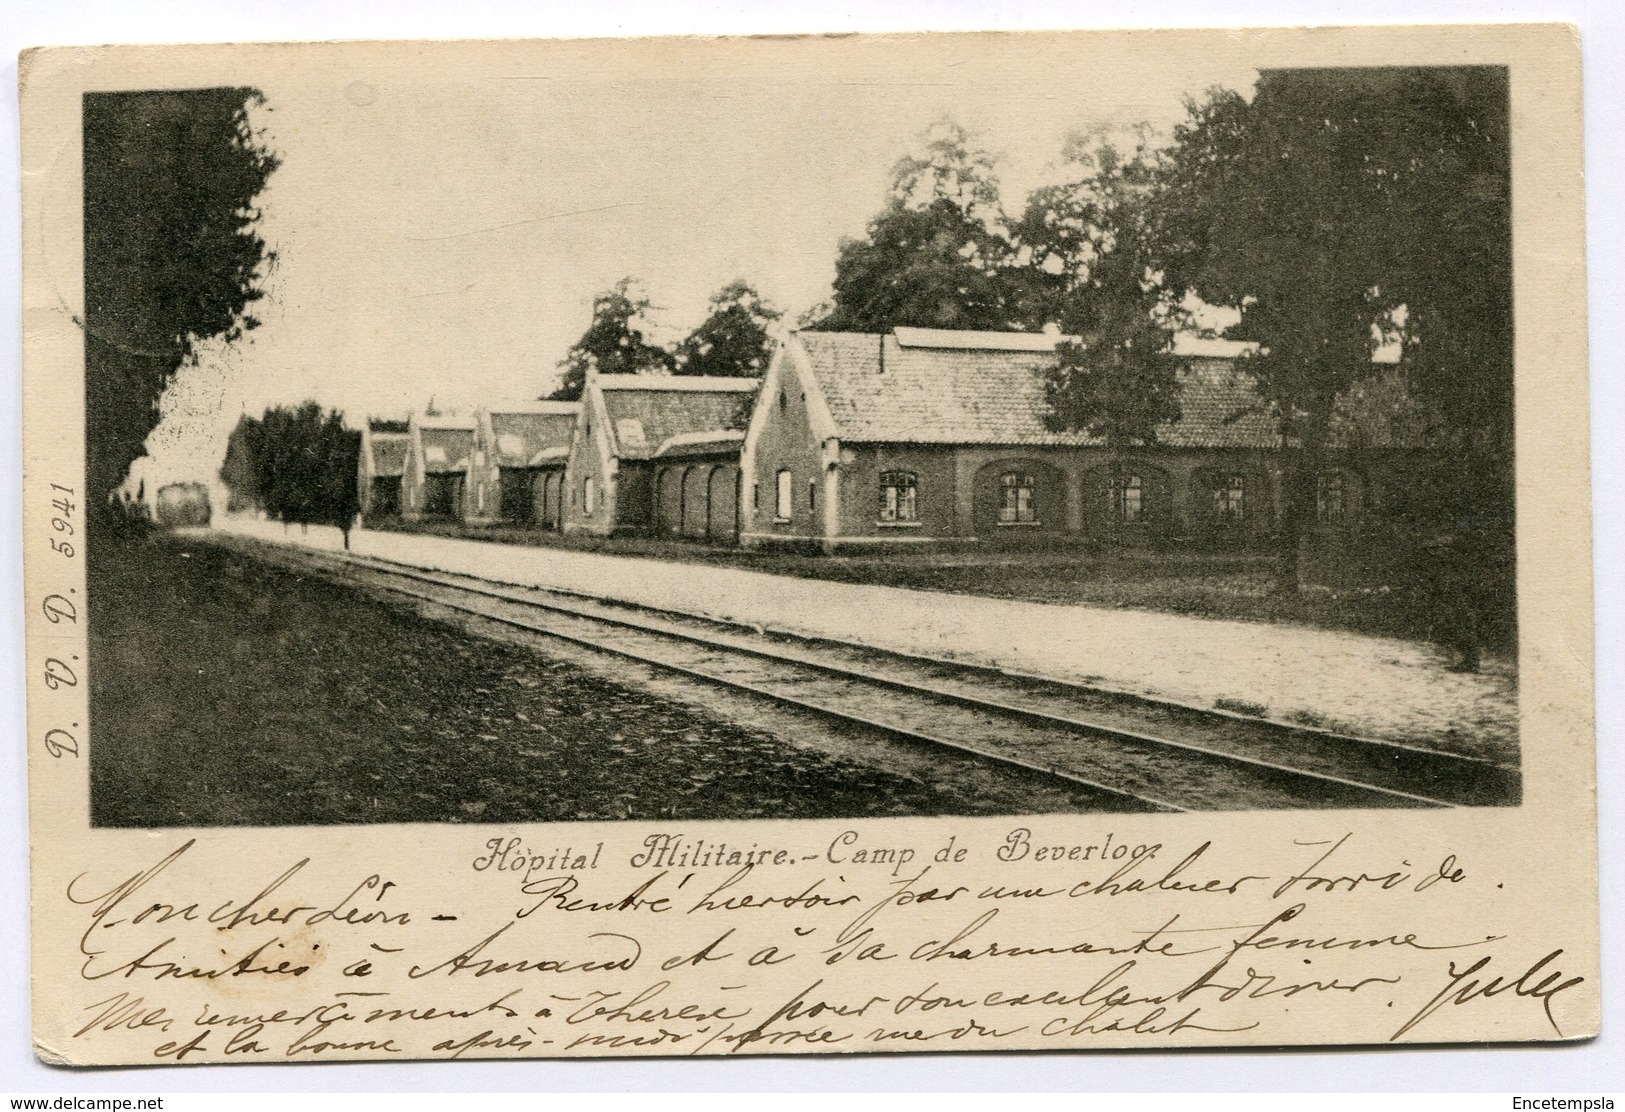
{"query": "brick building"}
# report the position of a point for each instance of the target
(648, 441)
(926, 436)
(380, 463)
(434, 476)
(515, 447)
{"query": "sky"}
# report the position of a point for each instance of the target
(441, 224)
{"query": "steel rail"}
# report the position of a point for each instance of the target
(1146, 803)
(1315, 781)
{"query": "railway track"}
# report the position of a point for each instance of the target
(1110, 751)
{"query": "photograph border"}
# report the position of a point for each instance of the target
(802, 1066)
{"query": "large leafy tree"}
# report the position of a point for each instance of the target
(1087, 263)
(615, 343)
(934, 256)
(172, 254)
(732, 341)
(1336, 206)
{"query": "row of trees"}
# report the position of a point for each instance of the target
(732, 341)
(298, 465)
(1334, 211)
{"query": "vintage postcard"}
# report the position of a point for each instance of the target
(808, 545)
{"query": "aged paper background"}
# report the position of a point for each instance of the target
(1544, 904)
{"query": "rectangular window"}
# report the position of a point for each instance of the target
(1017, 506)
(812, 496)
(1128, 499)
(1331, 498)
(587, 496)
(784, 496)
(1229, 497)
(898, 497)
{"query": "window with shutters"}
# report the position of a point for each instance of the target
(899, 496)
(1016, 503)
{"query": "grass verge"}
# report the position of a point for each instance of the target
(226, 692)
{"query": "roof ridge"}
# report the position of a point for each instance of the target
(692, 383)
(445, 422)
(535, 409)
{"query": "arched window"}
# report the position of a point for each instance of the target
(1229, 498)
(1128, 498)
(1016, 505)
(899, 497)
(1331, 498)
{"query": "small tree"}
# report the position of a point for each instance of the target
(306, 467)
(266, 462)
(341, 498)
(732, 342)
(240, 471)
(613, 344)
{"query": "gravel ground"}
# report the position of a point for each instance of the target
(1231, 586)
(1375, 686)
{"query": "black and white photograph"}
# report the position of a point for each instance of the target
(835, 452)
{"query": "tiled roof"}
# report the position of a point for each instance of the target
(642, 416)
(1219, 408)
(519, 436)
(446, 450)
(705, 384)
(388, 452)
(881, 391)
